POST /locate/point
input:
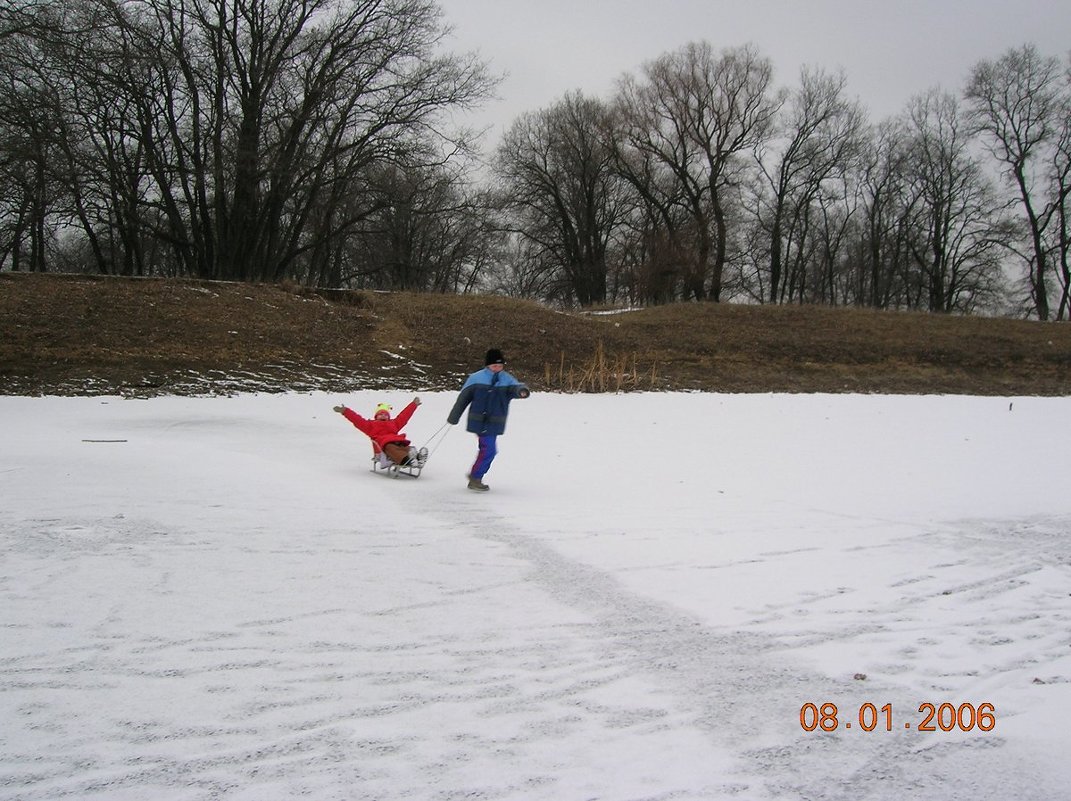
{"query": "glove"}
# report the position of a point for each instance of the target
(416, 401)
(338, 409)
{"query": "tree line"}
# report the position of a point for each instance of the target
(700, 179)
(237, 140)
(312, 141)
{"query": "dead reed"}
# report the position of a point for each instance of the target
(603, 372)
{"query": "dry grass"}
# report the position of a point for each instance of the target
(602, 373)
(78, 334)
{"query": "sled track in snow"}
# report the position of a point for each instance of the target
(742, 688)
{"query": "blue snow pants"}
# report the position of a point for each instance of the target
(488, 444)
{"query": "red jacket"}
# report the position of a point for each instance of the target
(383, 432)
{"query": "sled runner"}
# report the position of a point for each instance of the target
(411, 467)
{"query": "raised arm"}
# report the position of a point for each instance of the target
(353, 417)
(406, 413)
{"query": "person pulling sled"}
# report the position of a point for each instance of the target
(487, 394)
(391, 449)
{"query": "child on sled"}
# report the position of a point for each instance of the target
(390, 444)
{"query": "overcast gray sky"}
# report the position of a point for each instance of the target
(889, 49)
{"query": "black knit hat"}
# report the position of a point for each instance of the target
(494, 356)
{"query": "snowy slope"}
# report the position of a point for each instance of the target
(214, 599)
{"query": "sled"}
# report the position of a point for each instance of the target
(412, 468)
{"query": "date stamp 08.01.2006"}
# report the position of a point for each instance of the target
(869, 717)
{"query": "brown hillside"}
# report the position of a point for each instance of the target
(91, 335)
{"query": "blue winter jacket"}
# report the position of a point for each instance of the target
(487, 395)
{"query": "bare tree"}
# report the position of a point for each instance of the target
(29, 119)
(883, 250)
(1060, 172)
(662, 242)
(427, 233)
(1020, 104)
(240, 133)
(557, 176)
(686, 130)
(953, 208)
(837, 210)
(303, 97)
(820, 135)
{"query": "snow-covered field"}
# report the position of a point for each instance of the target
(214, 599)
